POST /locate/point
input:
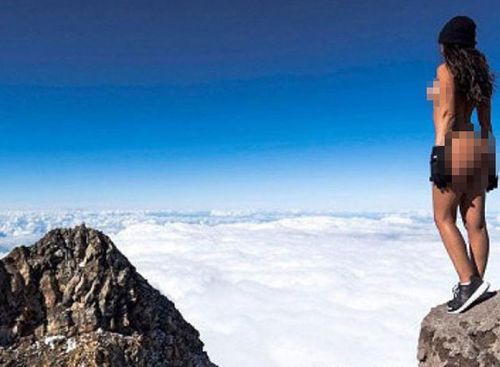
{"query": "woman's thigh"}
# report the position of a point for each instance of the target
(472, 209)
(445, 203)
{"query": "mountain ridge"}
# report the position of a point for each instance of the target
(73, 291)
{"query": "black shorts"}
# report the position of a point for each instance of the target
(440, 173)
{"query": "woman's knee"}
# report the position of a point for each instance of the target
(444, 220)
(474, 227)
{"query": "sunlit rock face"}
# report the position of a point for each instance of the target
(470, 338)
(74, 299)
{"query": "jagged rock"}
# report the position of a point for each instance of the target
(468, 339)
(73, 299)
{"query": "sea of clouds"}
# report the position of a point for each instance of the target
(287, 289)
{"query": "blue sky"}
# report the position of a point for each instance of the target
(223, 104)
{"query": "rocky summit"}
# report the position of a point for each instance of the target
(468, 339)
(73, 299)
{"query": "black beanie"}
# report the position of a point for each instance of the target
(460, 30)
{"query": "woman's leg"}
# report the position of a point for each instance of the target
(472, 208)
(445, 204)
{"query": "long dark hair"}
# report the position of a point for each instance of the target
(471, 72)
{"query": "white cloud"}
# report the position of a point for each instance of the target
(290, 289)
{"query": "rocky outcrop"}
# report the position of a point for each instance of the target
(468, 339)
(73, 299)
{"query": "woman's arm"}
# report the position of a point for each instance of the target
(444, 104)
(484, 115)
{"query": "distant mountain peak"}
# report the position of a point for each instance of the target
(74, 291)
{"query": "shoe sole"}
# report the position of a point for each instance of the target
(478, 293)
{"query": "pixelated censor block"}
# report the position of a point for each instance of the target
(433, 92)
(469, 158)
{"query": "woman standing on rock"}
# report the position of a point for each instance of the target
(462, 160)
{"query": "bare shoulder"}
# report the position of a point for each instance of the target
(443, 72)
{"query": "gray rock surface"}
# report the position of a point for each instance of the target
(73, 299)
(467, 339)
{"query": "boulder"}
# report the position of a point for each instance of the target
(467, 339)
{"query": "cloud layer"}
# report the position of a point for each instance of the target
(283, 289)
